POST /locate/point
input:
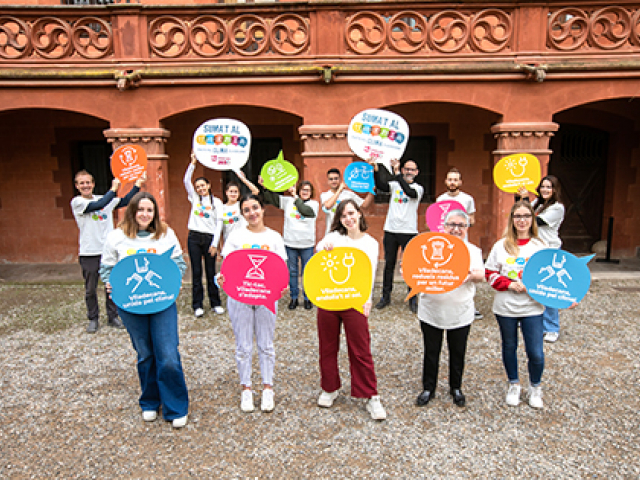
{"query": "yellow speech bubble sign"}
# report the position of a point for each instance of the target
(338, 279)
(516, 171)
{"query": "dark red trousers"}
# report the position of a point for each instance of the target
(356, 327)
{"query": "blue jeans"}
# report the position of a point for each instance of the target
(551, 320)
(155, 340)
(292, 262)
(532, 333)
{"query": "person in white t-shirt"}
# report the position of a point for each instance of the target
(451, 312)
(249, 321)
(512, 306)
(337, 193)
(231, 216)
(401, 224)
(154, 336)
(94, 216)
(205, 225)
(453, 183)
(549, 212)
(348, 230)
(300, 213)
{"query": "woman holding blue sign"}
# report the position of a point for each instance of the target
(154, 336)
(299, 232)
(549, 212)
(205, 225)
(512, 305)
(253, 320)
(348, 230)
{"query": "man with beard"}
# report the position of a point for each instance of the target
(401, 224)
(453, 182)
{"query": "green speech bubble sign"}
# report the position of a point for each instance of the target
(279, 175)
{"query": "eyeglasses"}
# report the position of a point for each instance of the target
(456, 225)
(407, 169)
(522, 217)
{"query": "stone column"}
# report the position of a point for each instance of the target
(513, 138)
(153, 141)
(324, 147)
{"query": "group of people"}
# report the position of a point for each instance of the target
(238, 223)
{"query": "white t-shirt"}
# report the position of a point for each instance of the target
(367, 244)
(462, 198)
(119, 246)
(402, 216)
(344, 195)
(452, 309)
(243, 238)
(553, 216)
(94, 226)
(205, 217)
(299, 231)
(231, 219)
(509, 303)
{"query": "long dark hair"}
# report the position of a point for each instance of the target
(230, 184)
(555, 197)
(129, 225)
(337, 225)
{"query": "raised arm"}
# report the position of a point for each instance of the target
(105, 200)
(188, 175)
(254, 190)
(124, 201)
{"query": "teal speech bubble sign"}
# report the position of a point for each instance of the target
(279, 175)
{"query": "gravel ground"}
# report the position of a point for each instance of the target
(68, 403)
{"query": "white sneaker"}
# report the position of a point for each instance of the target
(551, 337)
(246, 404)
(199, 312)
(513, 395)
(219, 310)
(179, 422)
(535, 397)
(267, 404)
(326, 399)
(477, 315)
(375, 408)
(149, 415)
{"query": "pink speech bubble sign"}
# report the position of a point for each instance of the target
(255, 276)
(437, 211)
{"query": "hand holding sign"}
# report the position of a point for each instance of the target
(145, 283)
(255, 276)
(278, 174)
(516, 171)
(556, 278)
(379, 135)
(435, 263)
(437, 211)
(338, 279)
(358, 176)
(128, 163)
(222, 144)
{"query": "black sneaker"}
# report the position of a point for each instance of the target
(384, 301)
(115, 323)
(293, 304)
(93, 326)
(308, 305)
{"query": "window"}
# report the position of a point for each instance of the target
(95, 158)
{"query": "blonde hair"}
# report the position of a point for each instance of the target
(511, 234)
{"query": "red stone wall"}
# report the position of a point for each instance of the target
(36, 186)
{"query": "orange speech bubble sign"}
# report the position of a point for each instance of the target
(128, 162)
(435, 263)
(517, 170)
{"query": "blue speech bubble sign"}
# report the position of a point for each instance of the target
(556, 278)
(145, 283)
(358, 176)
